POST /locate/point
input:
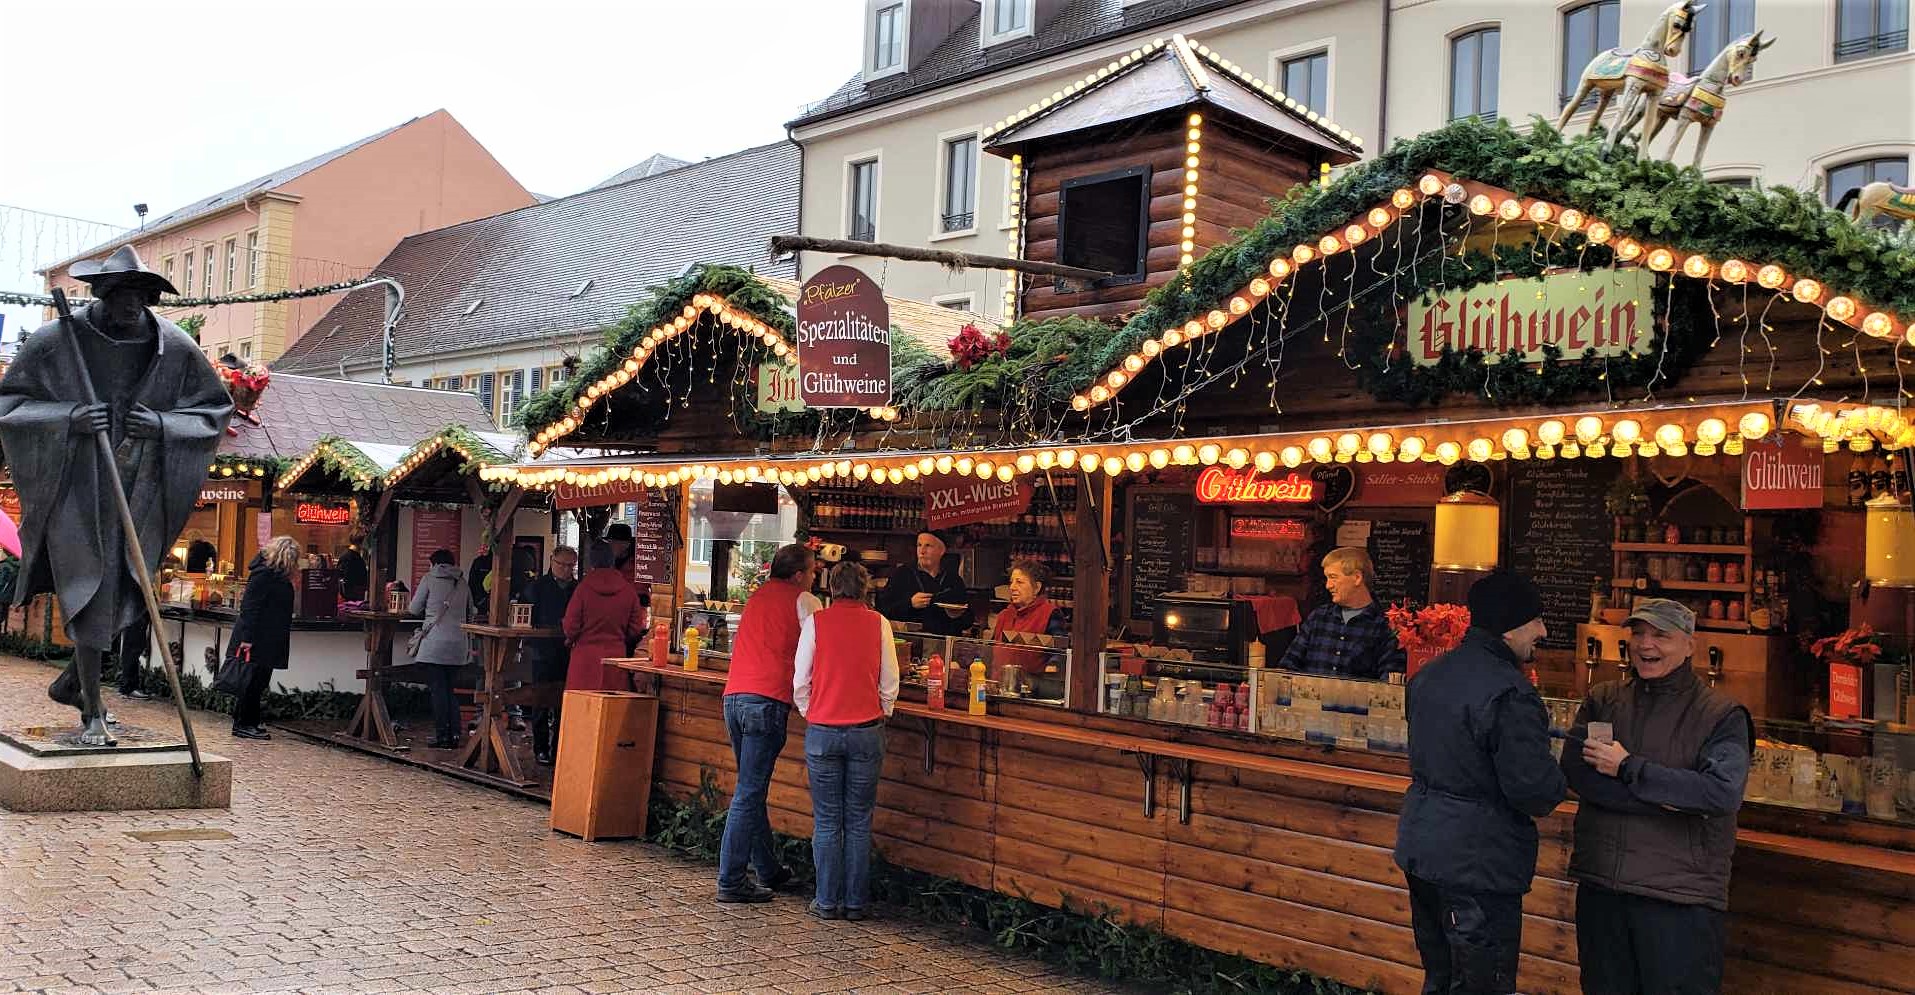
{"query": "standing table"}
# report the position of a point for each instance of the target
(488, 753)
(370, 722)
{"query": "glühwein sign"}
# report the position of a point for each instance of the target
(844, 341)
(1605, 310)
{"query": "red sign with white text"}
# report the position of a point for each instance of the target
(1781, 476)
(569, 496)
(1845, 691)
(968, 502)
(1221, 485)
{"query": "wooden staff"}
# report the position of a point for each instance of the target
(132, 531)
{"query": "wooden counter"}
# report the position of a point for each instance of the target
(1253, 847)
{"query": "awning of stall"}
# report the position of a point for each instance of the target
(659, 355)
(1172, 74)
(442, 466)
(339, 467)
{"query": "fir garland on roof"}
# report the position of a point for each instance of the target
(1648, 199)
(342, 459)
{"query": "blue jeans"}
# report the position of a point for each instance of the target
(844, 763)
(757, 727)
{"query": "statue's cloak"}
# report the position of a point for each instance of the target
(70, 533)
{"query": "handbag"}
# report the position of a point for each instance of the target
(236, 673)
(418, 640)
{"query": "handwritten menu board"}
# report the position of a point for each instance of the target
(1160, 547)
(433, 529)
(655, 542)
(1557, 534)
(1402, 551)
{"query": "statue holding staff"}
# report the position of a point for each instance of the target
(114, 370)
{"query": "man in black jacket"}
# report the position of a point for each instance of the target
(1659, 788)
(549, 595)
(1481, 773)
(914, 595)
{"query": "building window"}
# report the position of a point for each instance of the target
(1862, 172)
(1716, 25)
(1870, 27)
(1306, 80)
(887, 41)
(554, 375)
(166, 269)
(1739, 182)
(862, 225)
(1102, 221)
(511, 394)
(252, 259)
(455, 383)
(1474, 73)
(246, 349)
(187, 289)
(959, 211)
(208, 262)
(232, 264)
(1587, 29)
(1006, 19)
(956, 302)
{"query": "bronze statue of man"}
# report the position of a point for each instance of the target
(164, 411)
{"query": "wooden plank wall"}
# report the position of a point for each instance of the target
(1289, 871)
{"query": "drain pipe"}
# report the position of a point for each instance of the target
(1383, 84)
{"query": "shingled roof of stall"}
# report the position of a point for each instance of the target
(1175, 74)
(297, 411)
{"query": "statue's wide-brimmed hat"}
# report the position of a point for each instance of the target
(123, 264)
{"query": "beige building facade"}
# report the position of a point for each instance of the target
(892, 156)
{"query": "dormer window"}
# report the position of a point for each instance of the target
(1005, 20)
(888, 29)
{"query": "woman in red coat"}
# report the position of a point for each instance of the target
(603, 619)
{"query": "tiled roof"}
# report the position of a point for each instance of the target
(296, 412)
(650, 167)
(1080, 23)
(227, 198)
(571, 266)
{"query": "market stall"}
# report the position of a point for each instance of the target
(1478, 350)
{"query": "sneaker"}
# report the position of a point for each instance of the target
(825, 912)
(136, 695)
(855, 915)
(251, 732)
(750, 894)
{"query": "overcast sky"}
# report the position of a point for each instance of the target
(120, 101)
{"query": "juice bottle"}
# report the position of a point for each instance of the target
(694, 639)
(977, 699)
(934, 681)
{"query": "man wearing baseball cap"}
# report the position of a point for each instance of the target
(1481, 773)
(1660, 778)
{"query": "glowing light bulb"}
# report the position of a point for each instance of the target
(1480, 449)
(1771, 276)
(1599, 232)
(1266, 461)
(1540, 212)
(1430, 184)
(1136, 461)
(1661, 259)
(1355, 234)
(1209, 453)
(1349, 442)
(1159, 458)
(1570, 220)
(984, 469)
(1279, 268)
(1448, 453)
(1113, 466)
(1695, 267)
(1509, 209)
(1840, 308)
(1669, 436)
(1321, 449)
(1026, 463)
(1005, 473)
(1712, 431)
(1807, 291)
(1879, 325)
(1516, 439)
(1380, 217)
(1628, 249)
(1303, 254)
(1403, 199)
(1380, 443)
(1292, 456)
(1481, 205)
(1237, 458)
(1754, 425)
(1329, 245)
(1046, 459)
(1627, 432)
(1411, 448)
(1550, 433)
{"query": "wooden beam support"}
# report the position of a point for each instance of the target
(781, 244)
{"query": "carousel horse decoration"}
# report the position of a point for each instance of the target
(1702, 99)
(1641, 74)
(1881, 197)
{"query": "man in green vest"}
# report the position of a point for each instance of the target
(1660, 778)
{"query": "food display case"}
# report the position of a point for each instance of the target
(1864, 770)
(717, 623)
(1030, 668)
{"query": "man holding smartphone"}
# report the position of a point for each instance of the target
(1658, 761)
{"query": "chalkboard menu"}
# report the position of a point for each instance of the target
(1159, 545)
(654, 542)
(1402, 551)
(1557, 534)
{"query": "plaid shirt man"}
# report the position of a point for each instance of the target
(1364, 646)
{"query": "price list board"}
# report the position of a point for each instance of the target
(1401, 550)
(1160, 549)
(655, 543)
(1557, 534)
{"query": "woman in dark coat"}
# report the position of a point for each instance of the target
(263, 633)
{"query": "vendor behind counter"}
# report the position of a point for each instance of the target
(920, 595)
(1350, 636)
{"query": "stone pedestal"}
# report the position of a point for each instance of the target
(47, 769)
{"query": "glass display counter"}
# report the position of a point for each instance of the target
(717, 622)
(1032, 669)
(1855, 769)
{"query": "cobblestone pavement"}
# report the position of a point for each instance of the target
(346, 873)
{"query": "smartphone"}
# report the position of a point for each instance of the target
(1602, 732)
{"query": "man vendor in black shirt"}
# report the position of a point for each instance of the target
(915, 595)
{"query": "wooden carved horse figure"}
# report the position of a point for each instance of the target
(1702, 99)
(1640, 74)
(1881, 197)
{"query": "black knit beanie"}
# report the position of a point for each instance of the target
(1503, 601)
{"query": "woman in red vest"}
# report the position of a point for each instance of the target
(1029, 611)
(603, 618)
(845, 682)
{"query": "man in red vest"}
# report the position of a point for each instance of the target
(757, 703)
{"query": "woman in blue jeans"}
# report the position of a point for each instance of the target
(844, 691)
